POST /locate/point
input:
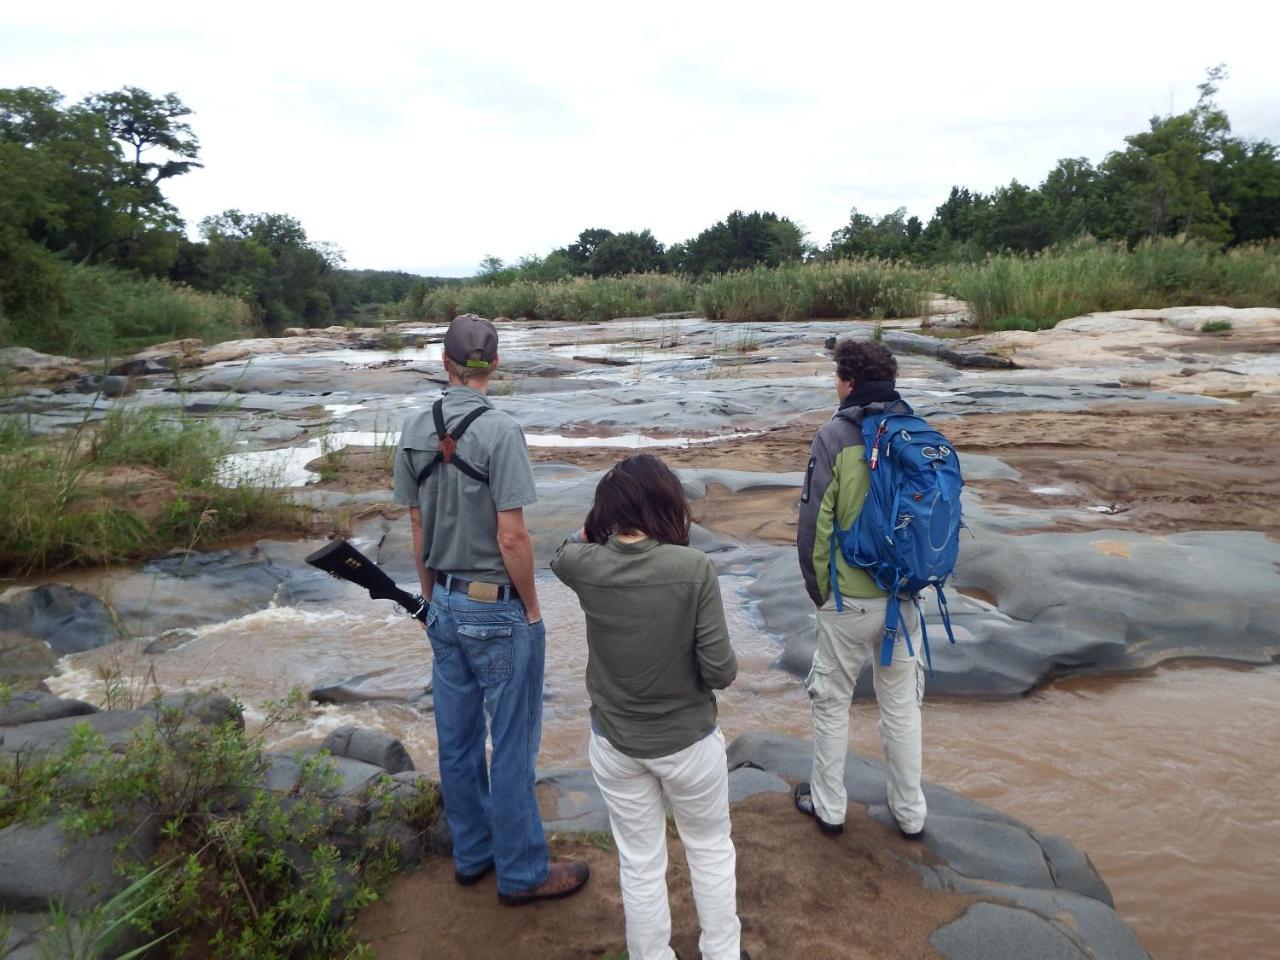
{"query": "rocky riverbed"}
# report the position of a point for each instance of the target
(1119, 500)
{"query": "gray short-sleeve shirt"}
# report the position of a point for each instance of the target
(460, 513)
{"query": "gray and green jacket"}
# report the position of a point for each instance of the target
(835, 485)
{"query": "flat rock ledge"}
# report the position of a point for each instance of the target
(1034, 894)
(369, 783)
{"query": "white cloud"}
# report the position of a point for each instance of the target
(425, 136)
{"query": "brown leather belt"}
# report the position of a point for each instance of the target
(476, 589)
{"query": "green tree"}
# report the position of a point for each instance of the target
(1018, 219)
(622, 253)
(1167, 172)
(268, 260)
(892, 237)
(743, 240)
(1249, 186)
(583, 249)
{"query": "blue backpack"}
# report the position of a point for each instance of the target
(907, 535)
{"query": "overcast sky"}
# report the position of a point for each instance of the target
(424, 136)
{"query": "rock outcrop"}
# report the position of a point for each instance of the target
(1031, 894)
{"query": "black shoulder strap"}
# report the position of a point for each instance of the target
(437, 414)
(467, 421)
(442, 431)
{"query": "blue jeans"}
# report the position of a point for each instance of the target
(489, 661)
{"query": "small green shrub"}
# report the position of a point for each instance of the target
(245, 873)
(1215, 326)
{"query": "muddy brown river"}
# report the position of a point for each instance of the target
(1168, 780)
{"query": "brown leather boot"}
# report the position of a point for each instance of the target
(564, 880)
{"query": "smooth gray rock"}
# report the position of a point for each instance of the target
(170, 640)
(864, 778)
(388, 683)
(24, 661)
(989, 931)
(69, 620)
(1067, 603)
(352, 776)
(116, 727)
(1091, 924)
(570, 801)
(955, 352)
(111, 385)
(24, 935)
(33, 706)
(1071, 867)
(991, 851)
(206, 707)
(748, 782)
(283, 773)
(369, 746)
(40, 864)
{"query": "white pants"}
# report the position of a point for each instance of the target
(696, 780)
(845, 640)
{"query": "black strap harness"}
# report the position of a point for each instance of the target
(447, 443)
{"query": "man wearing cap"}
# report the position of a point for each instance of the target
(463, 470)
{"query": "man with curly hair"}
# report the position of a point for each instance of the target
(835, 486)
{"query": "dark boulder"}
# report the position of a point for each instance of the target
(368, 746)
(40, 863)
(69, 620)
(33, 706)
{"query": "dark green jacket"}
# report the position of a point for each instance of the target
(657, 642)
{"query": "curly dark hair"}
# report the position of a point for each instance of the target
(864, 360)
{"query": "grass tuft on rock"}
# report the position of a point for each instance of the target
(141, 482)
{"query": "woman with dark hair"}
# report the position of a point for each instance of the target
(657, 648)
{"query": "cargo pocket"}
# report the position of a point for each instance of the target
(818, 683)
(488, 647)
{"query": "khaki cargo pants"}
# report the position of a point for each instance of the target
(845, 641)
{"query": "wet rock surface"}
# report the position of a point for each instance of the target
(1034, 895)
(68, 620)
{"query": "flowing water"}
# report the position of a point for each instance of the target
(1168, 780)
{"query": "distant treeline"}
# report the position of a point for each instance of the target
(1186, 176)
(93, 256)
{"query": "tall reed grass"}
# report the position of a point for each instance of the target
(67, 501)
(581, 298)
(841, 288)
(1032, 293)
(104, 310)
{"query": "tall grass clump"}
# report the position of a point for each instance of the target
(68, 501)
(579, 298)
(1018, 292)
(840, 288)
(101, 310)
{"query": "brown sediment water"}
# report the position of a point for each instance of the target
(1168, 780)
